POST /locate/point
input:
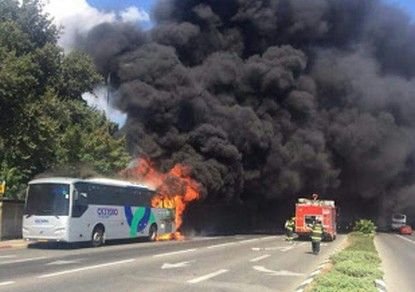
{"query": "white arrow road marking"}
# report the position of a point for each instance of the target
(276, 273)
(62, 262)
(176, 265)
(260, 258)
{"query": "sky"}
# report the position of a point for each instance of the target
(407, 5)
(79, 16)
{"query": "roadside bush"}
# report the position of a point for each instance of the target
(336, 281)
(358, 256)
(358, 269)
(354, 269)
(364, 226)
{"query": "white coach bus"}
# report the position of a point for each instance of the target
(94, 210)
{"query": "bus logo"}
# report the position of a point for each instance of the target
(107, 212)
(41, 221)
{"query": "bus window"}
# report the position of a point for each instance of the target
(47, 199)
(80, 201)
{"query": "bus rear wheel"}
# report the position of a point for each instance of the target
(97, 238)
(152, 234)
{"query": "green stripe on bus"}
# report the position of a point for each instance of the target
(138, 214)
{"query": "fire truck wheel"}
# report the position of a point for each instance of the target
(152, 234)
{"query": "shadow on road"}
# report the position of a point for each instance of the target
(77, 245)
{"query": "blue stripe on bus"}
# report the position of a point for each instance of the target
(128, 214)
(144, 220)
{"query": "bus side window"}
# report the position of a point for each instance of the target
(80, 203)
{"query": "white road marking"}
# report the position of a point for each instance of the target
(176, 265)
(282, 248)
(22, 260)
(248, 240)
(62, 262)
(221, 245)
(173, 253)
(276, 273)
(407, 239)
(269, 237)
(7, 283)
(86, 268)
(207, 277)
(9, 256)
(257, 259)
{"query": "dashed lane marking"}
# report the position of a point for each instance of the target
(9, 256)
(207, 277)
(174, 253)
(7, 283)
(257, 259)
(407, 239)
(248, 240)
(65, 272)
(268, 237)
(22, 260)
(221, 245)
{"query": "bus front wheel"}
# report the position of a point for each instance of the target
(97, 236)
(152, 234)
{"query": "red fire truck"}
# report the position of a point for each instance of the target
(307, 211)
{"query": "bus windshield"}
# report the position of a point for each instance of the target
(47, 199)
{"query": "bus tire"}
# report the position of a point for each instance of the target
(97, 238)
(152, 234)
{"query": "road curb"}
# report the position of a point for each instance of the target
(317, 272)
(380, 285)
(311, 276)
(16, 244)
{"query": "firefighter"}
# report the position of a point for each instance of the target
(289, 228)
(316, 236)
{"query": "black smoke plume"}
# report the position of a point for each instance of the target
(273, 99)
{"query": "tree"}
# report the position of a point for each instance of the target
(44, 122)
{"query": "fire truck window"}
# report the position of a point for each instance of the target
(310, 219)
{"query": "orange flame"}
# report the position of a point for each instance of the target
(174, 189)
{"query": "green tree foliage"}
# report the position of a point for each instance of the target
(44, 122)
(364, 226)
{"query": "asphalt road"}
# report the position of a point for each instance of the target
(232, 263)
(398, 260)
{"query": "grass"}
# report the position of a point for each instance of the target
(353, 269)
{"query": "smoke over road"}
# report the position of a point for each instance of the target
(269, 100)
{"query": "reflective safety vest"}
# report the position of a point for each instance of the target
(317, 232)
(289, 225)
